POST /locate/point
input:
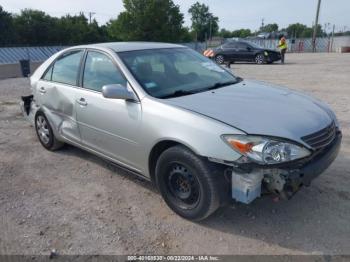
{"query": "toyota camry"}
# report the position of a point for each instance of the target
(165, 112)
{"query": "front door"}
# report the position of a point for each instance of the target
(109, 126)
(245, 52)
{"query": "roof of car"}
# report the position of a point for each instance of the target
(132, 46)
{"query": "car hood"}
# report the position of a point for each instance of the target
(259, 108)
(271, 50)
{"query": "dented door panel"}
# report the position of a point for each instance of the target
(58, 102)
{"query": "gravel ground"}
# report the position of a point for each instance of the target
(77, 203)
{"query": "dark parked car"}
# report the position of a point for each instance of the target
(243, 51)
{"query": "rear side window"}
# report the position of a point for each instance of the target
(66, 68)
(48, 74)
(229, 45)
(99, 71)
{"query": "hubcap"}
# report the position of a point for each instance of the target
(219, 59)
(259, 59)
(43, 129)
(183, 186)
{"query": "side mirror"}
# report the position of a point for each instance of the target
(248, 48)
(117, 91)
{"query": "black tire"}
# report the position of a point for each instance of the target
(191, 186)
(259, 59)
(45, 134)
(220, 59)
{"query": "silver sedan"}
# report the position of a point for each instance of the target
(170, 115)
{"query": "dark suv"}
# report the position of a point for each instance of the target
(243, 51)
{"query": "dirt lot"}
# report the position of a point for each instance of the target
(76, 203)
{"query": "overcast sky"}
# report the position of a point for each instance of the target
(233, 14)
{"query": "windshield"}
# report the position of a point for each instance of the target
(165, 73)
(255, 45)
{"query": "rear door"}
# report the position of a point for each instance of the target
(108, 126)
(57, 90)
(230, 50)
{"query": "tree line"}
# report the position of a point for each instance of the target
(142, 20)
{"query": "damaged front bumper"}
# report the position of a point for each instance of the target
(250, 181)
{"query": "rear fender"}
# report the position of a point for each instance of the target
(55, 120)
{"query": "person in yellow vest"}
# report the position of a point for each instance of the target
(282, 45)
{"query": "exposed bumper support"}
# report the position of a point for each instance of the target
(28, 108)
(284, 180)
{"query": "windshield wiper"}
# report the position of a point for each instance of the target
(182, 92)
(218, 85)
(178, 93)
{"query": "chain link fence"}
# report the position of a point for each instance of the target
(299, 45)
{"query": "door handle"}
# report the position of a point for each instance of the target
(82, 101)
(42, 90)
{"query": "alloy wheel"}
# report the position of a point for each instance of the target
(259, 59)
(219, 59)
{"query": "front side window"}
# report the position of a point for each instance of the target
(99, 71)
(255, 45)
(165, 73)
(66, 68)
(242, 46)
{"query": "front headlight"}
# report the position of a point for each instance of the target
(264, 150)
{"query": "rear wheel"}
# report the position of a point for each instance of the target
(45, 133)
(188, 184)
(259, 59)
(219, 59)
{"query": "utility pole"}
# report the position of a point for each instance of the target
(90, 16)
(210, 26)
(315, 27)
(332, 41)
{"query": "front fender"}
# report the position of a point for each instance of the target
(199, 133)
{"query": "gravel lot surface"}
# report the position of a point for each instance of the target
(76, 203)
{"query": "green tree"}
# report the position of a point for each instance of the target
(148, 20)
(72, 29)
(269, 28)
(302, 31)
(204, 23)
(77, 30)
(33, 27)
(241, 33)
(225, 33)
(6, 28)
(296, 30)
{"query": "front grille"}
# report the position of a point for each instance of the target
(321, 138)
(275, 55)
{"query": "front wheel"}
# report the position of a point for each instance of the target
(188, 184)
(259, 59)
